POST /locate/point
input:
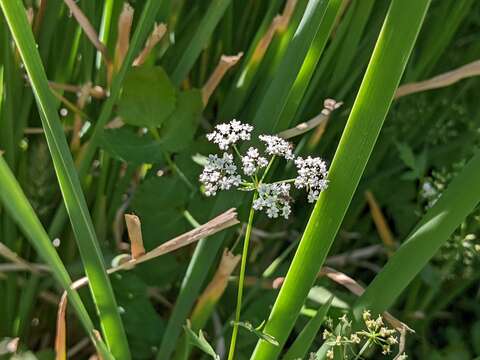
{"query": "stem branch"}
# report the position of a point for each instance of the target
(241, 280)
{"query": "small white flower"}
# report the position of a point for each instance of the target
(392, 340)
(219, 173)
(274, 199)
(355, 338)
(330, 354)
(386, 349)
(312, 175)
(277, 146)
(228, 134)
(252, 162)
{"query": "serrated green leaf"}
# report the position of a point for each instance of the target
(148, 97)
(200, 342)
(406, 155)
(180, 127)
(257, 331)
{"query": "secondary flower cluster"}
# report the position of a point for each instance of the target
(221, 172)
(374, 333)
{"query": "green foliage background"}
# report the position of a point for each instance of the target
(424, 166)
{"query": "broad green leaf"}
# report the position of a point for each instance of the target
(200, 342)
(159, 202)
(178, 130)
(148, 97)
(138, 312)
(126, 145)
(159, 194)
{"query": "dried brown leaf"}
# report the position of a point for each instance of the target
(225, 63)
(134, 228)
(61, 335)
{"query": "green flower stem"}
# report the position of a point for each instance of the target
(242, 279)
(267, 169)
(363, 349)
(284, 181)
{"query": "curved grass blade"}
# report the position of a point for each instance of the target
(267, 116)
(304, 340)
(74, 200)
(309, 64)
(383, 74)
(205, 28)
(21, 211)
(244, 79)
(429, 235)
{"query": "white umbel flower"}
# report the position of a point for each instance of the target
(252, 162)
(228, 134)
(219, 173)
(277, 146)
(312, 175)
(274, 199)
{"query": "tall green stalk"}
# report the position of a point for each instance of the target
(383, 74)
(74, 200)
(241, 279)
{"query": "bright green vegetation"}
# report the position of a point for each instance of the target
(88, 134)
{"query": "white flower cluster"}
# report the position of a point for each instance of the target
(275, 199)
(375, 332)
(220, 173)
(312, 175)
(277, 146)
(252, 162)
(228, 134)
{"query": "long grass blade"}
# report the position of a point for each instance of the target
(429, 235)
(309, 64)
(209, 22)
(267, 116)
(17, 205)
(383, 74)
(304, 340)
(74, 200)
